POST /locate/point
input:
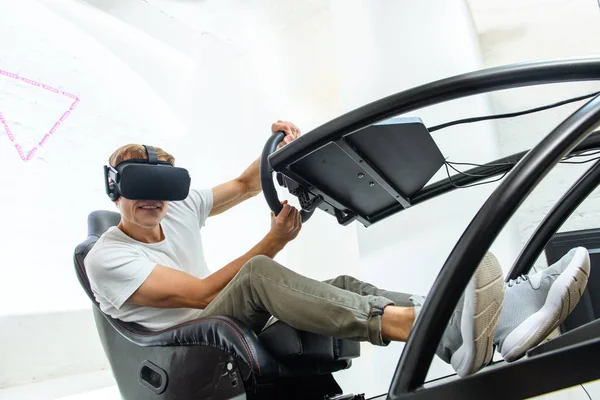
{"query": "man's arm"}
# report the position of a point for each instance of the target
(247, 185)
(234, 192)
(169, 288)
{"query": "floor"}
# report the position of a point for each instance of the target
(101, 386)
(90, 386)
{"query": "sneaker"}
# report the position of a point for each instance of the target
(467, 343)
(535, 305)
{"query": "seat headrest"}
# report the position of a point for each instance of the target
(100, 221)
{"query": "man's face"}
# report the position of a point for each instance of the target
(143, 213)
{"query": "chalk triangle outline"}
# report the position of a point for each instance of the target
(28, 155)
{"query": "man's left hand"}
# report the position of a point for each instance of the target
(292, 132)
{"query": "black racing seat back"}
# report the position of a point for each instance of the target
(98, 223)
(365, 172)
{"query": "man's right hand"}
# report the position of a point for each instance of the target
(286, 225)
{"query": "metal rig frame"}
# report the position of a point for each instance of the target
(554, 369)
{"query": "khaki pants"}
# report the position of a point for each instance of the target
(343, 307)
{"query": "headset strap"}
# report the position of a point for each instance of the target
(152, 157)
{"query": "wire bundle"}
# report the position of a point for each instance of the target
(451, 165)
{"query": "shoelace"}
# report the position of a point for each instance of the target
(522, 278)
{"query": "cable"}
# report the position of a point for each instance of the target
(580, 162)
(473, 184)
(513, 114)
(451, 165)
(481, 165)
(465, 173)
(380, 396)
(582, 154)
(563, 161)
(510, 115)
(586, 392)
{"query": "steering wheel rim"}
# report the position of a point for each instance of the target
(266, 177)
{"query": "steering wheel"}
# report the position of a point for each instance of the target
(266, 177)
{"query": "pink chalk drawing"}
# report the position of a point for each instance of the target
(11, 137)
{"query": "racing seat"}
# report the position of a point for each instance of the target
(215, 357)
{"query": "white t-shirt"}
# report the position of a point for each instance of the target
(117, 264)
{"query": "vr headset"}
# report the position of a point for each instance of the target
(146, 179)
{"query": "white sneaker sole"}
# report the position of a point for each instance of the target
(563, 296)
(484, 296)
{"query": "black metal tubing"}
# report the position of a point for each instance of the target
(554, 220)
(483, 81)
(462, 262)
(521, 379)
(589, 331)
(477, 239)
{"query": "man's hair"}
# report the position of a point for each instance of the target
(130, 151)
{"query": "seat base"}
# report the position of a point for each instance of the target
(316, 387)
(300, 349)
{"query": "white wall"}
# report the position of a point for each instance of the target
(530, 30)
(397, 47)
(200, 96)
(53, 193)
(49, 197)
(522, 31)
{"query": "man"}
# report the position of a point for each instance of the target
(150, 269)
